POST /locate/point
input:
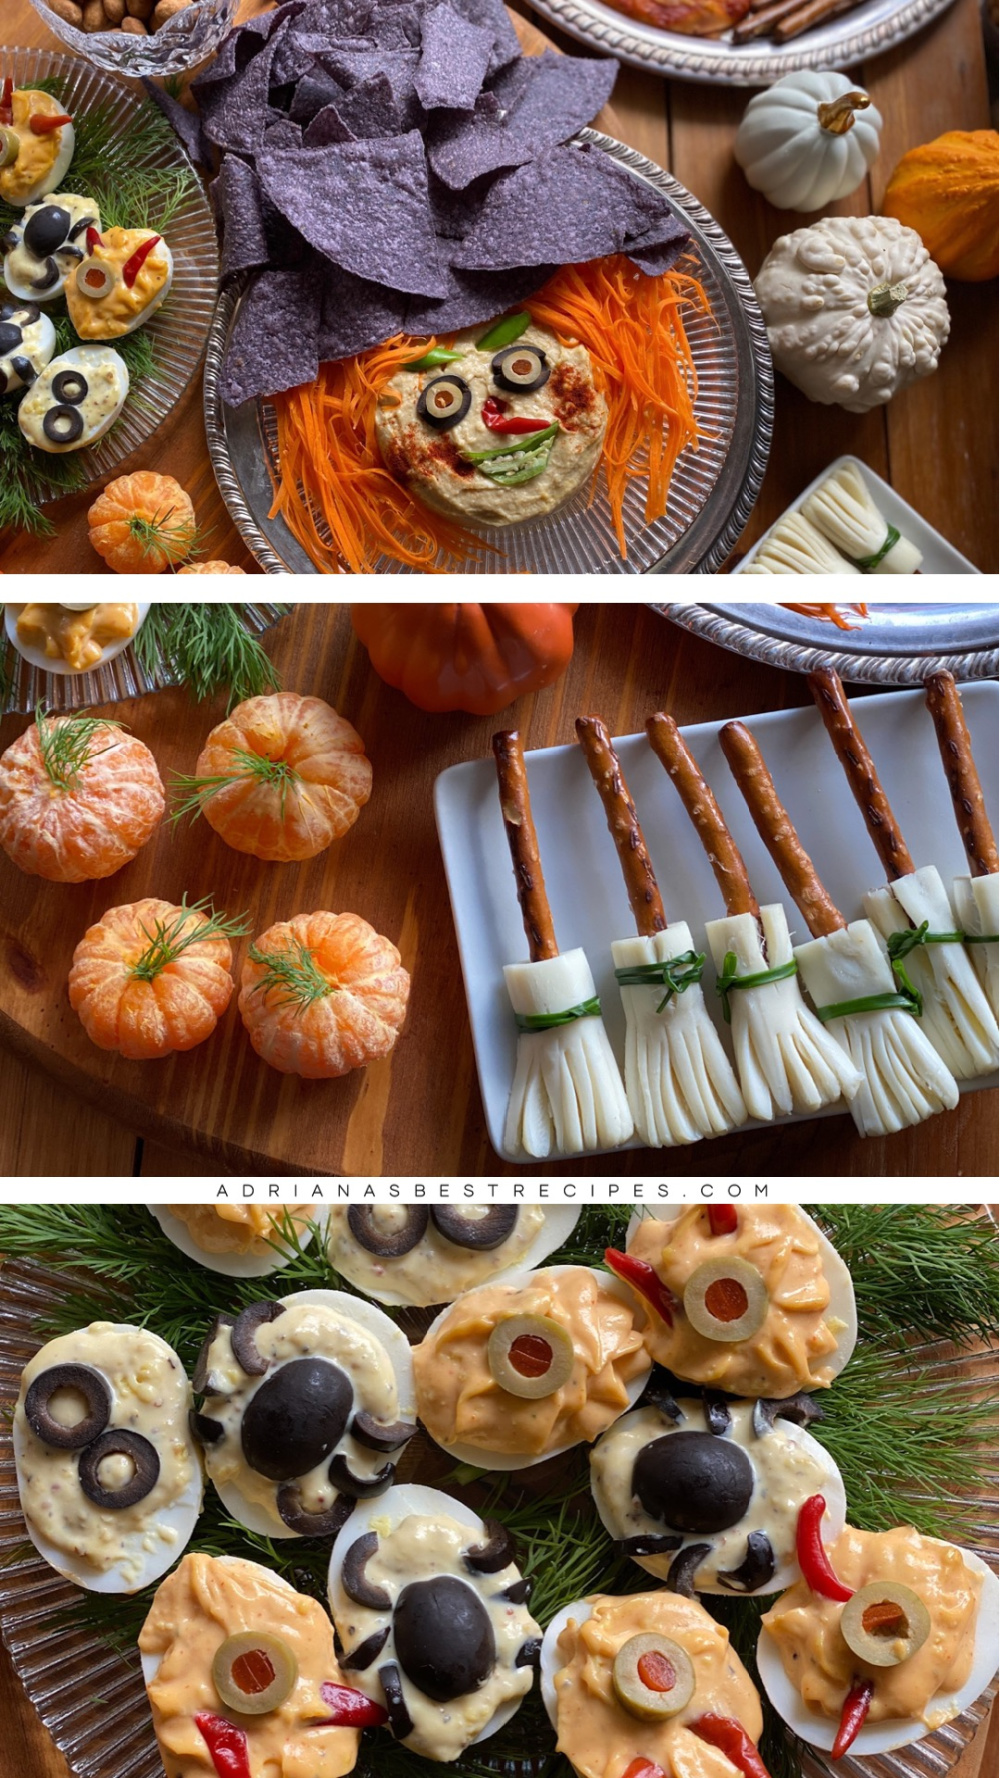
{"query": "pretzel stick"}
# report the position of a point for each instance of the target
(862, 777)
(945, 705)
(771, 819)
(760, 21)
(623, 825)
(721, 849)
(515, 805)
(805, 17)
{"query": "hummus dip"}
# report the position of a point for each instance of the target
(436, 463)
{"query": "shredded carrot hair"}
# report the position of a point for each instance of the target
(345, 508)
(830, 613)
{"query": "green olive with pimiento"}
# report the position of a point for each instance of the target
(653, 1677)
(726, 1299)
(254, 1672)
(885, 1623)
(530, 1356)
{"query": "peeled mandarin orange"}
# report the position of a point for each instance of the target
(78, 798)
(151, 978)
(322, 994)
(282, 777)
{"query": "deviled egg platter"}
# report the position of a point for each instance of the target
(515, 1372)
(886, 1638)
(308, 1404)
(411, 1256)
(237, 1240)
(107, 1471)
(432, 1620)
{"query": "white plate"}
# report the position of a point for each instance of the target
(939, 555)
(584, 881)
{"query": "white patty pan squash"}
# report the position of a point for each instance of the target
(854, 308)
(809, 139)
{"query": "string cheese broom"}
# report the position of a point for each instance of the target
(845, 512)
(785, 1059)
(976, 898)
(678, 1078)
(796, 547)
(847, 971)
(913, 912)
(567, 1097)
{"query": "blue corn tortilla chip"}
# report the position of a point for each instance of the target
(238, 114)
(312, 94)
(275, 341)
(454, 57)
(551, 97)
(186, 125)
(242, 44)
(365, 206)
(358, 68)
(572, 206)
(356, 314)
(474, 297)
(493, 16)
(371, 108)
(238, 199)
(326, 129)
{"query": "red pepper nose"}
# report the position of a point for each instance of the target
(496, 418)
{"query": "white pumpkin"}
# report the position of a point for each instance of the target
(854, 308)
(809, 139)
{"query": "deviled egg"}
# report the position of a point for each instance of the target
(27, 342)
(515, 1372)
(432, 1618)
(46, 244)
(409, 1255)
(120, 283)
(75, 400)
(238, 1240)
(37, 140)
(706, 1494)
(309, 1402)
(75, 638)
(108, 1473)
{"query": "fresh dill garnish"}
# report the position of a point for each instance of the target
(208, 648)
(291, 974)
(196, 791)
(67, 744)
(911, 1273)
(170, 938)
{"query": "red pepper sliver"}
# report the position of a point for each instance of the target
(133, 266)
(44, 125)
(227, 1745)
(494, 417)
(731, 1738)
(7, 101)
(640, 1274)
(813, 1559)
(643, 1768)
(94, 240)
(856, 1707)
(350, 1709)
(722, 1219)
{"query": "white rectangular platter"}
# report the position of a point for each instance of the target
(582, 875)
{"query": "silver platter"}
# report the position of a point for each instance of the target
(900, 644)
(856, 36)
(713, 490)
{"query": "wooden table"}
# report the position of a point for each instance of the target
(931, 442)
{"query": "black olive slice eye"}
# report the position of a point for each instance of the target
(83, 1382)
(375, 1437)
(355, 1581)
(520, 369)
(307, 1524)
(497, 1552)
(443, 402)
(387, 1236)
(479, 1232)
(400, 1720)
(70, 386)
(119, 1442)
(357, 1486)
(63, 425)
(244, 1336)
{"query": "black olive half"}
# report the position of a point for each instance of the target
(443, 1636)
(355, 1581)
(400, 1720)
(756, 1568)
(385, 1242)
(530, 1653)
(246, 1351)
(717, 1417)
(801, 1410)
(648, 1543)
(48, 276)
(63, 425)
(520, 369)
(444, 402)
(693, 1481)
(206, 1430)
(84, 1381)
(375, 1437)
(25, 370)
(119, 1442)
(684, 1567)
(359, 1487)
(297, 1417)
(70, 386)
(366, 1652)
(46, 230)
(307, 1524)
(480, 1233)
(497, 1552)
(199, 1381)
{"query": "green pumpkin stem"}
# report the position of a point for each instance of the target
(885, 299)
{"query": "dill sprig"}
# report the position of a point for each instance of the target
(208, 648)
(292, 974)
(67, 745)
(926, 1269)
(196, 791)
(169, 939)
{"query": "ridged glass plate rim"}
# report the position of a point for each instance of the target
(66, 1672)
(180, 329)
(236, 436)
(122, 678)
(721, 624)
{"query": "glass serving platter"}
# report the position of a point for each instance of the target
(91, 1699)
(897, 644)
(713, 489)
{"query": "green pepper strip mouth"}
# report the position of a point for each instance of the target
(530, 441)
(517, 462)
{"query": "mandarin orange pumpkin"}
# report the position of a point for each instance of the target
(476, 658)
(151, 978)
(947, 191)
(79, 797)
(323, 994)
(281, 778)
(210, 568)
(143, 523)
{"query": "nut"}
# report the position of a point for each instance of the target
(114, 11)
(93, 17)
(134, 27)
(68, 11)
(140, 9)
(167, 9)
